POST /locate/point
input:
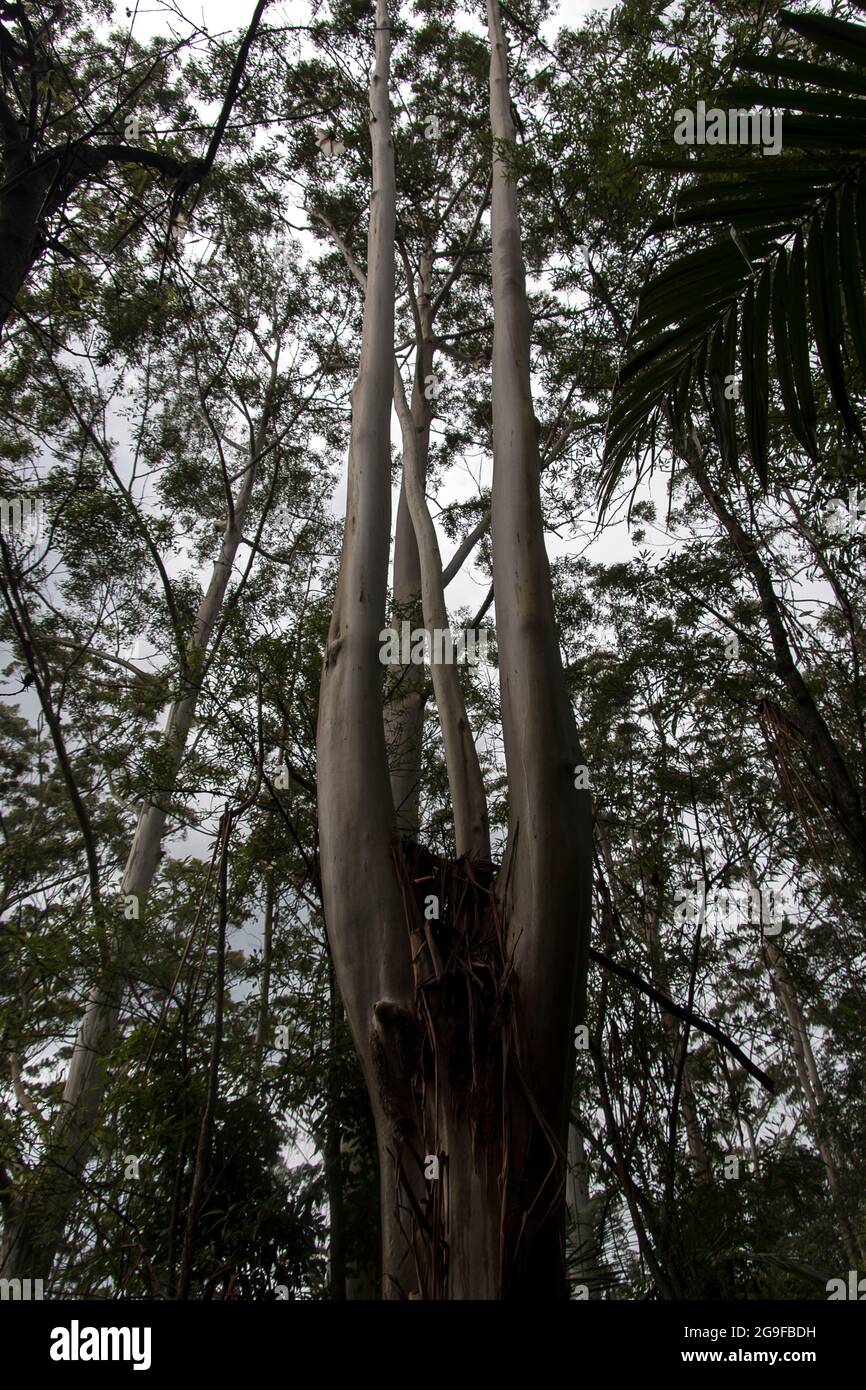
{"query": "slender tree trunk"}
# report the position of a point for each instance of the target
(333, 1163)
(583, 1237)
(812, 1096)
(806, 1068)
(404, 708)
(464, 772)
(34, 1230)
(843, 789)
(202, 1153)
(357, 833)
(404, 711)
(465, 782)
(271, 915)
(661, 979)
(544, 885)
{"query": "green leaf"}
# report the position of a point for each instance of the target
(834, 35)
(820, 74)
(805, 186)
(798, 340)
(722, 367)
(784, 367)
(746, 215)
(682, 392)
(825, 305)
(813, 133)
(708, 259)
(852, 280)
(789, 99)
(753, 357)
(688, 331)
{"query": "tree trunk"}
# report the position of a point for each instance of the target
(465, 782)
(34, 1230)
(544, 885)
(362, 901)
(811, 1092)
(263, 1019)
(20, 208)
(583, 1243)
(844, 795)
(461, 1014)
(805, 1066)
(404, 707)
(661, 979)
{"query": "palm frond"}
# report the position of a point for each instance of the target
(780, 289)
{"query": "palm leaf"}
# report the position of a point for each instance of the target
(783, 277)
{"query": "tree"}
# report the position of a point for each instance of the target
(60, 135)
(405, 986)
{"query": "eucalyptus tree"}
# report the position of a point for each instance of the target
(249, 371)
(471, 1204)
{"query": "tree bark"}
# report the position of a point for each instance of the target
(406, 700)
(583, 1241)
(465, 782)
(404, 711)
(357, 833)
(462, 1019)
(544, 885)
(263, 1019)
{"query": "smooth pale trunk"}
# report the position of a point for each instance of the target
(545, 880)
(583, 1239)
(357, 832)
(465, 782)
(404, 713)
(812, 1095)
(404, 710)
(34, 1229)
(498, 1205)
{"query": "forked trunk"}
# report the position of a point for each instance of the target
(461, 990)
